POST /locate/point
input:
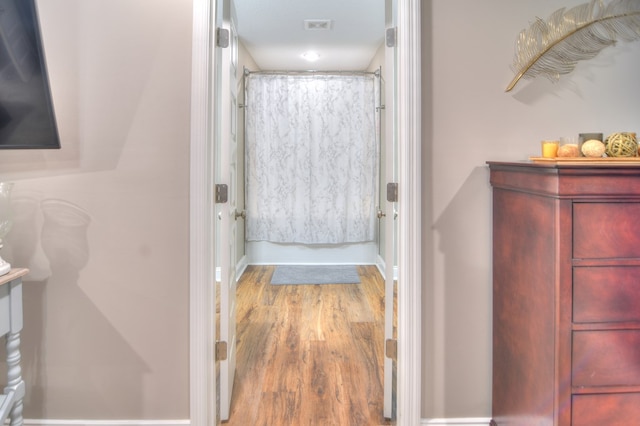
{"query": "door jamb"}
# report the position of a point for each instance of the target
(202, 321)
(201, 241)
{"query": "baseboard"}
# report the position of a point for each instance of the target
(56, 422)
(467, 421)
(382, 268)
(241, 267)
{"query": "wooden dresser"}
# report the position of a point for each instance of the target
(566, 294)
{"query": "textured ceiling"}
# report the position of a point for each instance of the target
(274, 32)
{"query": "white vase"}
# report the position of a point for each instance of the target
(5, 220)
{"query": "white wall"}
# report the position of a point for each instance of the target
(469, 119)
(103, 222)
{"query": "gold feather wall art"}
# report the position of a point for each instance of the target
(553, 47)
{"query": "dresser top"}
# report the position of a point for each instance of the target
(581, 163)
(564, 179)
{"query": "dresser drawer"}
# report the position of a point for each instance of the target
(605, 358)
(606, 294)
(621, 409)
(606, 230)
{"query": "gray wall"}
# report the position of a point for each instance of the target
(469, 119)
(103, 223)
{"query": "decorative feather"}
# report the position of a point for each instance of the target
(554, 47)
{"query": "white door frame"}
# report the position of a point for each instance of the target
(201, 266)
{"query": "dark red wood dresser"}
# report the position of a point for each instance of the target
(566, 293)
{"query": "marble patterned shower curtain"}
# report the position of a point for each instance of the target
(311, 158)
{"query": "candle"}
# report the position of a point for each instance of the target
(550, 149)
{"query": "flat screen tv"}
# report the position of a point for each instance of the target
(27, 117)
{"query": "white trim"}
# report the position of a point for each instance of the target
(381, 265)
(202, 381)
(480, 421)
(241, 266)
(409, 214)
(382, 268)
(58, 422)
(202, 273)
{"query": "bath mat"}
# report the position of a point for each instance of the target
(315, 274)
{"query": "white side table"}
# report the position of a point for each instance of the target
(10, 326)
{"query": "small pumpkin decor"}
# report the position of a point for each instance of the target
(621, 144)
(569, 150)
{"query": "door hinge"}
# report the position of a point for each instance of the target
(390, 37)
(392, 192)
(222, 37)
(221, 350)
(222, 193)
(391, 349)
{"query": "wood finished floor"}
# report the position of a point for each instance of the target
(309, 354)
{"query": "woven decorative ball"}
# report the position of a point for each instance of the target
(623, 144)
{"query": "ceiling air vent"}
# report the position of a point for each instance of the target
(317, 24)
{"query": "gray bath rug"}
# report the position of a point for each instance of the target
(315, 274)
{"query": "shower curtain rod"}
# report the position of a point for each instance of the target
(288, 72)
(247, 72)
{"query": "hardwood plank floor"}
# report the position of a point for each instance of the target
(309, 354)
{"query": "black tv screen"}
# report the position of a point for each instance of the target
(27, 117)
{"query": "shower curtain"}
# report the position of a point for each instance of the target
(311, 158)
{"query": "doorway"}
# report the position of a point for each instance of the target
(202, 245)
(312, 149)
